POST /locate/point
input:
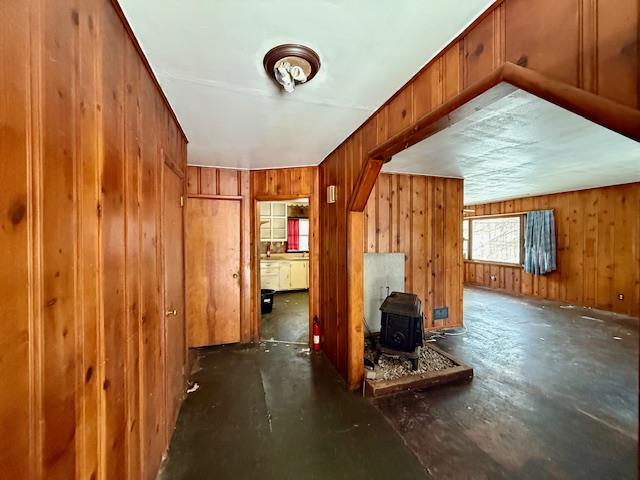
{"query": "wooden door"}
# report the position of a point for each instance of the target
(213, 271)
(174, 290)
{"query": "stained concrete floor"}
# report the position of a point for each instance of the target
(555, 395)
(277, 411)
(289, 320)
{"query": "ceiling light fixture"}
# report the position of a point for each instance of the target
(291, 64)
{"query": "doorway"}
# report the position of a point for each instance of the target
(284, 239)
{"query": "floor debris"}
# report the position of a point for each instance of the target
(391, 367)
(193, 388)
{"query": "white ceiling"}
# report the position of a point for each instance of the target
(207, 55)
(522, 145)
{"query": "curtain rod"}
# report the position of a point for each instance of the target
(511, 214)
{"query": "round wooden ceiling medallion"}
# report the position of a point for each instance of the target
(295, 54)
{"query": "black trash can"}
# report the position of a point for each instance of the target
(267, 300)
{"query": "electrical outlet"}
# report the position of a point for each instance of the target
(621, 296)
(440, 313)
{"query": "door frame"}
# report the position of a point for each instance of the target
(314, 261)
(170, 165)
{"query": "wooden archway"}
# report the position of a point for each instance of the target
(500, 83)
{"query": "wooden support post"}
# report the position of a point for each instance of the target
(355, 285)
(364, 184)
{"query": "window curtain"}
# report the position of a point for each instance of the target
(540, 242)
(293, 234)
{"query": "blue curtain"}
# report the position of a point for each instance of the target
(539, 242)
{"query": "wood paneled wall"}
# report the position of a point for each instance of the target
(250, 187)
(421, 217)
(590, 44)
(598, 256)
(84, 132)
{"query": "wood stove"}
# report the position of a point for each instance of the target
(402, 327)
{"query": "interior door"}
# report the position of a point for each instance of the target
(213, 271)
(174, 288)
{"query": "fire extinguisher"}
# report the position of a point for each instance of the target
(316, 334)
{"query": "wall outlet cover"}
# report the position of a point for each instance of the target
(440, 313)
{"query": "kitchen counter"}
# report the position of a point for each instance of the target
(285, 257)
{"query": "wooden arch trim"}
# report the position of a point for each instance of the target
(501, 82)
(607, 113)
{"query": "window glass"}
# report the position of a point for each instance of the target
(304, 234)
(496, 239)
(465, 239)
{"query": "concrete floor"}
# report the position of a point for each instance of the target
(555, 395)
(289, 320)
(277, 411)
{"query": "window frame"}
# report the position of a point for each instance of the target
(470, 259)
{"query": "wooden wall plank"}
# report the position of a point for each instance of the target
(193, 182)
(616, 70)
(451, 71)
(59, 249)
(428, 89)
(208, 181)
(18, 447)
(132, 165)
(535, 44)
(113, 246)
(480, 51)
(89, 423)
(400, 113)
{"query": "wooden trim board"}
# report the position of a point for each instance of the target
(461, 372)
(499, 83)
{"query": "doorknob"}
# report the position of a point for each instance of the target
(168, 313)
(235, 275)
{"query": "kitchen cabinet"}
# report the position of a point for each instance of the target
(299, 276)
(270, 275)
(273, 221)
(282, 275)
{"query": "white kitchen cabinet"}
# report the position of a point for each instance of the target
(273, 221)
(283, 275)
(270, 275)
(299, 277)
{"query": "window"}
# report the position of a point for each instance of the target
(493, 239)
(298, 235)
(304, 235)
(465, 239)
